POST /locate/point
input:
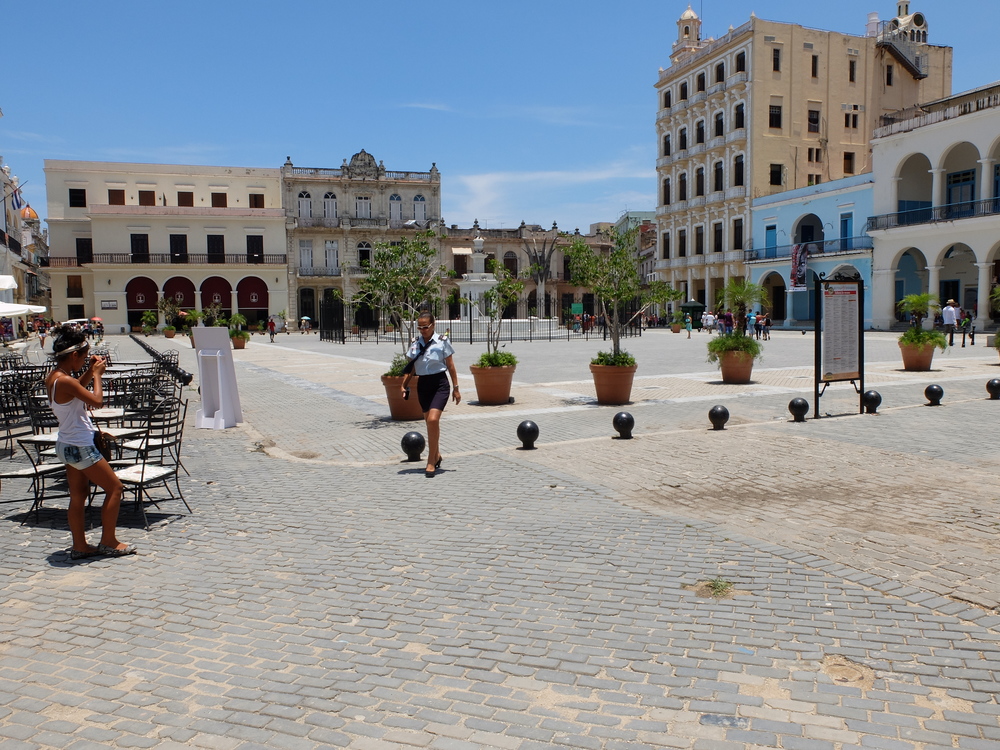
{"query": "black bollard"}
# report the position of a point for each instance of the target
(718, 416)
(527, 433)
(412, 445)
(934, 394)
(623, 422)
(799, 407)
(871, 401)
(993, 387)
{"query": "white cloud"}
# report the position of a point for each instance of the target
(428, 105)
(570, 197)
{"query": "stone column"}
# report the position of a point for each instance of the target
(986, 180)
(983, 296)
(937, 189)
(789, 317)
(883, 294)
(934, 287)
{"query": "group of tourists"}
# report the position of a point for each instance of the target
(758, 324)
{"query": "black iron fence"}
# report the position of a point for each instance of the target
(934, 214)
(343, 322)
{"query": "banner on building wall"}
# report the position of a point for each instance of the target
(800, 267)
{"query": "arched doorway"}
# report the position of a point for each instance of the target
(962, 181)
(215, 290)
(911, 277)
(252, 299)
(180, 290)
(915, 190)
(141, 294)
(774, 285)
(959, 278)
(808, 230)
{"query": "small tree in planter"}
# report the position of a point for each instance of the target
(171, 315)
(735, 352)
(149, 321)
(237, 335)
(917, 345)
(494, 370)
(615, 278)
(402, 280)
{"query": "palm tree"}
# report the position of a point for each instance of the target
(918, 305)
(742, 295)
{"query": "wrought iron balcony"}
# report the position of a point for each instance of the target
(934, 214)
(319, 271)
(326, 222)
(827, 247)
(126, 259)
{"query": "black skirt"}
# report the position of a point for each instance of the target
(433, 391)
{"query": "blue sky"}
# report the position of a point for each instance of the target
(542, 111)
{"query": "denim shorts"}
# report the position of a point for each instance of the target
(78, 456)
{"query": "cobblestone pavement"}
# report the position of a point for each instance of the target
(324, 594)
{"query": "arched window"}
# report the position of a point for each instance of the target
(667, 100)
(666, 145)
(364, 253)
(739, 120)
(330, 206)
(720, 124)
(419, 208)
(395, 207)
(510, 262)
(682, 187)
(738, 171)
(741, 62)
(717, 183)
(699, 132)
(699, 181)
(682, 139)
(684, 91)
(666, 192)
(720, 72)
(700, 82)
(305, 205)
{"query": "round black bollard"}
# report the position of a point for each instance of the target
(799, 407)
(527, 433)
(993, 386)
(412, 445)
(623, 422)
(871, 400)
(934, 394)
(718, 416)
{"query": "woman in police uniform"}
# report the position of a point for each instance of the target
(432, 361)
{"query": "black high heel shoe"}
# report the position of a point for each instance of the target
(438, 464)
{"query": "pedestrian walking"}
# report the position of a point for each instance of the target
(432, 361)
(69, 398)
(687, 323)
(270, 329)
(949, 317)
(758, 325)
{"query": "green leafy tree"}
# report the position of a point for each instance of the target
(614, 277)
(403, 280)
(918, 305)
(540, 263)
(170, 309)
(491, 304)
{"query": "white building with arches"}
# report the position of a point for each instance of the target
(936, 221)
(123, 236)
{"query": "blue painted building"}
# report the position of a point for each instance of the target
(822, 229)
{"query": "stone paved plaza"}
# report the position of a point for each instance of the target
(325, 594)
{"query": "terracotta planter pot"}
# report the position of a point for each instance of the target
(169, 334)
(675, 327)
(917, 358)
(400, 410)
(736, 367)
(239, 343)
(492, 384)
(613, 384)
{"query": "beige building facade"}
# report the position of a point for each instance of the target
(122, 236)
(336, 216)
(766, 108)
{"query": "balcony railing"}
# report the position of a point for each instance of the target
(934, 214)
(328, 222)
(739, 134)
(827, 247)
(357, 271)
(319, 271)
(367, 222)
(736, 192)
(737, 78)
(125, 259)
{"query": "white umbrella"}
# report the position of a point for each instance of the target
(10, 309)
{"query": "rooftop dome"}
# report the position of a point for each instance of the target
(28, 213)
(689, 15)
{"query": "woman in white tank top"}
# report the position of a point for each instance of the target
(69, 398)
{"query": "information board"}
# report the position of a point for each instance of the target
(841, 331)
